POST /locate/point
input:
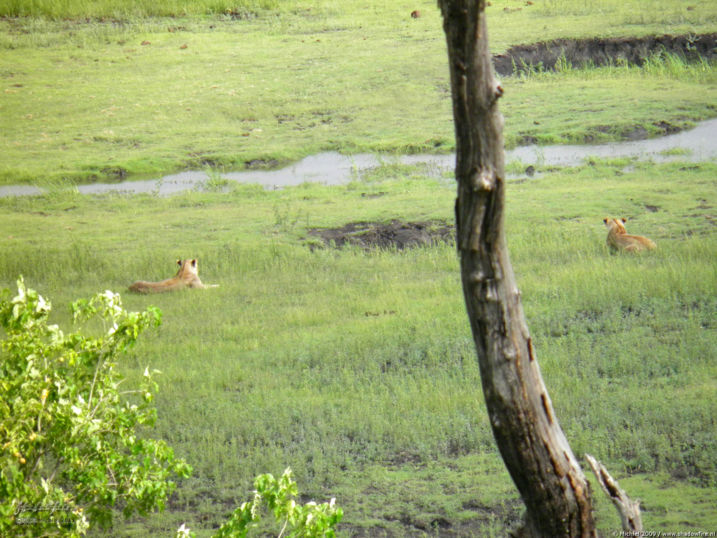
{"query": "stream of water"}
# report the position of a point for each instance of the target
(331, 168)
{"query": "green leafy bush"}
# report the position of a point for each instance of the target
(310, 520)
(69, 449)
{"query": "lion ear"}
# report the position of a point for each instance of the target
(179, 262)
(194, 262)
(605, 220)
(624, 220)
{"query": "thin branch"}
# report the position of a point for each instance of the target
(35, 465)
(113, 482)
(100, 361)
(283, 528)
(628, 509)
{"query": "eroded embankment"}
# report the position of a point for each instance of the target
(601, 51)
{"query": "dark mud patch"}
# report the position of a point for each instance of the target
(115, 173)
(667, 127)
(395, 234)
(241, 14)
(485, 521)
(600, 51)
(261, 164)
(639, 132)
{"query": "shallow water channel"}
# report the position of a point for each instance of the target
(331, 168)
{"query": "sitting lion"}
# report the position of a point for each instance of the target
(186, 277)
(618, 239)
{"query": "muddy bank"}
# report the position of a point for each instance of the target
(600, 51)
(396, 234)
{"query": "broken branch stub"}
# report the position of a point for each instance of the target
(628, 509)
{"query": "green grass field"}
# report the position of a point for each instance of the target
(356, 368)
(85, 101)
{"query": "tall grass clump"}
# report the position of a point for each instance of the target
(674, 66)
(661, 64)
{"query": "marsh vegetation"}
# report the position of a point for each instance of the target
(355, 366)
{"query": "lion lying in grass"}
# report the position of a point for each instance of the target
(186, 277)
(619, 240)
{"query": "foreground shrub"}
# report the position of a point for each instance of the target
(309, 520)
(69, 449)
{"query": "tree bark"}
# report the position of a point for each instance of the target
(531, 442)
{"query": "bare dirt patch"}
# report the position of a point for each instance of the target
(598, 51)
(395, 234)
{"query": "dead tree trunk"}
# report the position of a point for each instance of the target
(533, 446)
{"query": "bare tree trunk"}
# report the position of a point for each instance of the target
(534, 448)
